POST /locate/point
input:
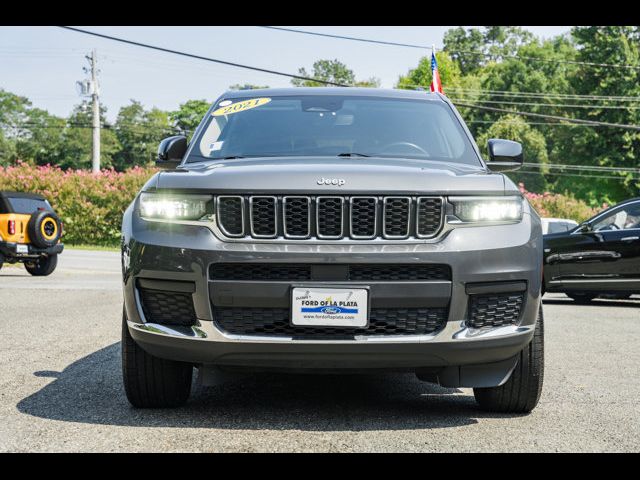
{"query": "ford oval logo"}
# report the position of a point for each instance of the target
(331, 310)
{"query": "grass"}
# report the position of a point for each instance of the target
(91, 247)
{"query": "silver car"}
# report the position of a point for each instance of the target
(333, 229)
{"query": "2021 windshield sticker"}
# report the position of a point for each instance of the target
(241, 106)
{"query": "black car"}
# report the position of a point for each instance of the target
(600, 257)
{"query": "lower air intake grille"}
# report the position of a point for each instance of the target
(260, 271)
(168, 308)
(365, 272)
(495, 310)
(383, 321)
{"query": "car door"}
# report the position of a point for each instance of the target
(607, 255)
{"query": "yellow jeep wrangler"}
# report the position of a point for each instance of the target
(30, 232)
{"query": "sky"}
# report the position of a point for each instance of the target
(44, 63)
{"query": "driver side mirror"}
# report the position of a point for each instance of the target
(171, 151)
(504, 155)
(585, 228)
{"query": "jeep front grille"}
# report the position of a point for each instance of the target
(300, 217)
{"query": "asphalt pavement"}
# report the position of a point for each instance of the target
(61, 386)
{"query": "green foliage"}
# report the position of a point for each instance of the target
(327, 70)
(534, 146)
(139, 132)
(189, 114)
(471, 48)
(420, 77)
(332, 71)
(246, 86)
(76, 141)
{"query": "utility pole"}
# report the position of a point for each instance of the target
(95, 97)
(91, 88)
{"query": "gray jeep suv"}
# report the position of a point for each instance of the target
(333, 229)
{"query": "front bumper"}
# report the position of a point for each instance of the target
(456, 355)
(9, 250)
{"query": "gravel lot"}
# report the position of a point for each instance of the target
(61, 389)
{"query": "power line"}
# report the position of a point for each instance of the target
(464, 52)
(620, 179)
(200, 57)
(567, 96)
(581, 167)
(550, 117)
(555, 105)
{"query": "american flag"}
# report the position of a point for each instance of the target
(436, 85)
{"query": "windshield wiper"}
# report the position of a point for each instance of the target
(352, 154)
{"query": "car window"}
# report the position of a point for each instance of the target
(28, 205)
(626, 218)
(558, 227)
(333, 125)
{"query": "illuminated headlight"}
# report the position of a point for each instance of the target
(175, 206)
(488, 209)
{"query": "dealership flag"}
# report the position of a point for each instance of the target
(436, 85)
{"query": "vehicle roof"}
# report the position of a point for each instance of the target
(341, 91)
(554, 219)
(10, 194)
(628, 200)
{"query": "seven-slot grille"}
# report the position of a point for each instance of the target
(299, 217)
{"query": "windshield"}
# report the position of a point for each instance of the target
(333, 126)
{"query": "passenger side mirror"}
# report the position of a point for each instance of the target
(585, 228)
(504, 155)
(171, 151)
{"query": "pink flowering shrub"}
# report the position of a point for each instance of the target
(90, 206)
(559, 206)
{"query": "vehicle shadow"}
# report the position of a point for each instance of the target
(90, 391)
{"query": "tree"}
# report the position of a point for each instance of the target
(188, 116)
(41, 140)
(534, 146)
(246, 86)
(76, 143)
(612, 147)
(421, 76)
(327, 70)
(139, 132)
(473, 49)
(13, 110)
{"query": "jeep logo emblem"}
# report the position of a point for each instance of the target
(331, 181)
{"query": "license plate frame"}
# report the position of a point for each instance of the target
(330, 315)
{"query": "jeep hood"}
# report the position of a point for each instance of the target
(361, 175)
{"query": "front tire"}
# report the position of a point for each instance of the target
(43, 266)
(149, 381)
(520, 394)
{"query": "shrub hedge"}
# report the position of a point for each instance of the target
(89, 205)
